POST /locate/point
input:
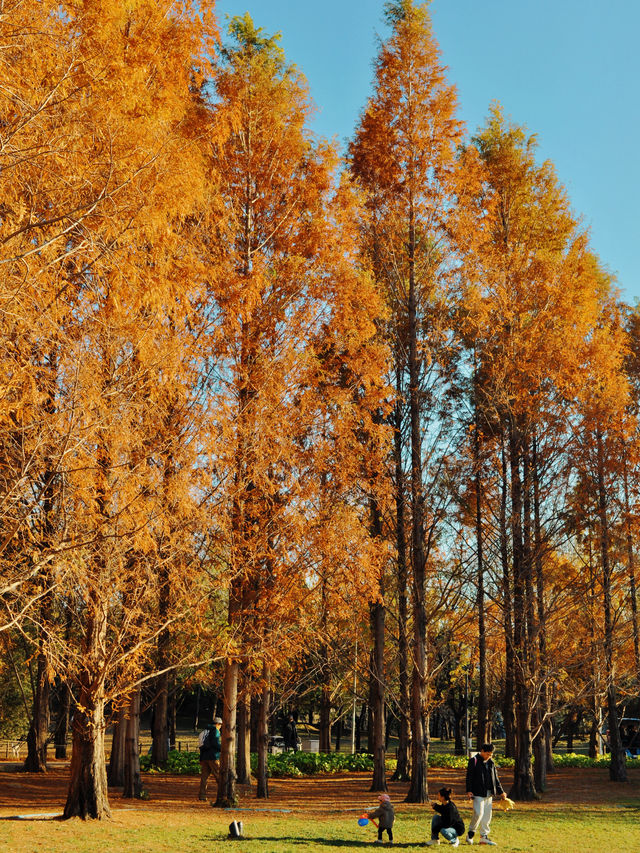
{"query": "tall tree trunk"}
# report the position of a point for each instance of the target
(160, 731)
(404, 713)
(62, 718)
(618, 767)
(418, 792)
(115, 772)
(262, 791)
(543, 741)
(377, 673)
(324, 725)
(483, 709)
(132, 780)
(631, 567)
(38, 734)
(254, 713)
(227, 797)
(244, 735)
(377, 614)
(338, 730)
(172, 712)
(523, 787)
(508, 705)
(87, 796)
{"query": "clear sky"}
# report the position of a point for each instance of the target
(567, 69)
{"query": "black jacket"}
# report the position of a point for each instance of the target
(290, 734)
(482, 777)
(210, 749)
(450, 816)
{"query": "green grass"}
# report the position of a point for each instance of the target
(584, 829)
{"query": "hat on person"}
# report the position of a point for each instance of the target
(217, 721)
(384, 798)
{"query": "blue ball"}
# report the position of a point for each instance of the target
(363, 821)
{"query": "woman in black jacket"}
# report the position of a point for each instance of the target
(447, 821)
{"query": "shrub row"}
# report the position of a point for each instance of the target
(310, 763)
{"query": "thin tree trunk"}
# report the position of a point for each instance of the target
(543, 741)
(244, 736)
(115, 773)
(132, 787)
(324, 725)
(160, 733)
(62, 719)
(483, 710)
(253, 727)
(402, 771)
(379, 781)
(617, 768)
(508, 705)
(631, 567)
(262, 791)
(418, 791)
(523, 785)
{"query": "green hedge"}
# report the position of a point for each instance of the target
(309, 763)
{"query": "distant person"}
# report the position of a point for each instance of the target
(482, 785)
(290, 734)
(386, 817)
(632, 739)
(209, 743)
(447, 821)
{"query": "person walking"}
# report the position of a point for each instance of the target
(290, 734)
(386, 817)
(483, 785)
(209, 743)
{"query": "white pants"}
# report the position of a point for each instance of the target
(482, 808)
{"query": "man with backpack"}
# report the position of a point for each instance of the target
(482, 785)
(209, 743)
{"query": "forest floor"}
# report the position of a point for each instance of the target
(581, 810)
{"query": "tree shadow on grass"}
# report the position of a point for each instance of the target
(326, 842)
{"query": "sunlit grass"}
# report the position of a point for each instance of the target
(606, 829)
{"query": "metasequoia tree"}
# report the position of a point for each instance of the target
(405, 156)
(294, 308)
(530, 317)
(97, 240)
(604, 425)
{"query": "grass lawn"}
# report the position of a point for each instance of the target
(582, 829)
(581, 812)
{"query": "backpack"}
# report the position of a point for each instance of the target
(208, 744)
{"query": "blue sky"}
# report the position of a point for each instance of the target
(567, 69)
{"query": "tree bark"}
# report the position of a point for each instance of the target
(402, 771)
(62, 719)
(227, 796)
(631, 567)
(508, 704)
(262, 791)
(132, 786)
(377, 614)
(87, 795)
(483, 709)
(618, 766)
(115, 773)
(244, 736)
(418, 792)
(160, 733)
(523, 787)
